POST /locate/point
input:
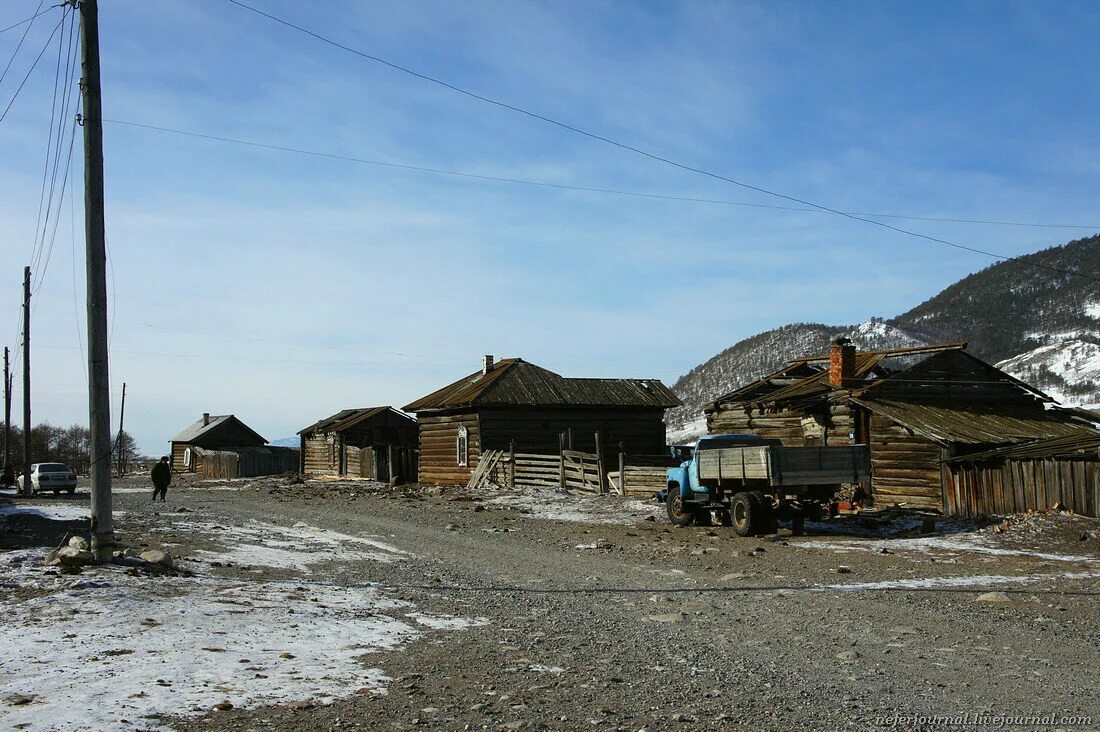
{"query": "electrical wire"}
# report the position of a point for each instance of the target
(31, 70)
(18, 46)
(645, 153)
(565, 187)
(30, 19)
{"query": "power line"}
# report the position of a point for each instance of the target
(22, 38)
(565, 187)
(30, 19)
(645, 153)
(31, 70)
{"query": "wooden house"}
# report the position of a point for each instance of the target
(513, 403)
(379, 443)
(915, 407)
(212, 432)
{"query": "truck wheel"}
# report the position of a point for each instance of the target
(744, 510)
(798, 523)
(677, 512)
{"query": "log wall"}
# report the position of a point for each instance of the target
(537, 429)
(905, 467)
(438, 463)
(318, 456)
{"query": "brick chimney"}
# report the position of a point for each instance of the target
(842, 363)
(205, 419)
(486, 364)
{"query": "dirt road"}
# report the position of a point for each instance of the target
(614, 620)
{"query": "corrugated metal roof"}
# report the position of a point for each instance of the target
(515, 382)
(198, 429)
(977, 423)
(347, 418)
(1085, 443)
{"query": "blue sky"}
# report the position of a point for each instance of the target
(282, 288)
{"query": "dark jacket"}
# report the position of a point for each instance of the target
(161, 475)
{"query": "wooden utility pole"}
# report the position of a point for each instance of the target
(121, 418)
(7, 474)
(27, 488)
(99, 387)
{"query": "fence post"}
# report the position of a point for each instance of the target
(512, 464)
(569, 437)
(622, 468)
(600, 486)
(561, 460)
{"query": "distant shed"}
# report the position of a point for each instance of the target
(212, 432)
(513, 402)
(369, 442)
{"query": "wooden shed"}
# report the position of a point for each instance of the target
(513, 403)
(212, 432)
(378, 443)
(1037, 476)
(914, 407)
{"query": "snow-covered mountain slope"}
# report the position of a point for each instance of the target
(1067, 367)
(1037, 322)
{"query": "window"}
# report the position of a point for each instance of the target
(188, 458)
(462, 446)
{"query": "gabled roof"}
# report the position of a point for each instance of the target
(514, 381)
(345, 419)
(217, 424)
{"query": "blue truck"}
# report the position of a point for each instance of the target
(751, 482)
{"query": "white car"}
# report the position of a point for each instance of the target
(54, 477)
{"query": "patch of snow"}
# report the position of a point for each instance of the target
(541, 668)
(1092, 309)
(945, 582)
(53, 511)
(1060, 364)
(555, 506)
(299, 547)
(974, 542)
(687, 433)
(113, 651)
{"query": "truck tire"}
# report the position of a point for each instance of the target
(745, 510)
(678, 513)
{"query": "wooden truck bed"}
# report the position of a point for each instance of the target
(787, 466)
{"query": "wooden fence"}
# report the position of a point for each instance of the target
(248, 462)
(1012, 486)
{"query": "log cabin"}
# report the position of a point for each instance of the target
(513, 403)
(212, 432)
(915, 408)
(378, 443)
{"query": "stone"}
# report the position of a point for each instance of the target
(770, 537)
(223, 706)
(843, 569)
(848, 656)
(68, 557)
(993, 597)
(668, 618)
(157, 556)
(79, 542)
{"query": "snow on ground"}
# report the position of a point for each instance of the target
(983, 580)
(300, 547)
(554, 505)
(688, 433)
(111, 652)
(1075, 360)
(53, 511)
(1026, 539)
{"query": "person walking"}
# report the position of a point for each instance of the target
(162, 478)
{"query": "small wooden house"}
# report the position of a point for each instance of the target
(515, 403)
(379, 443)
(915, 407)
(212, 432)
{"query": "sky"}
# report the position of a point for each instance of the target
(282, 288)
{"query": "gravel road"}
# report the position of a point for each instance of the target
(636, 624)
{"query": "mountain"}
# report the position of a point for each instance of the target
(286, 442)
(1036, 322)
